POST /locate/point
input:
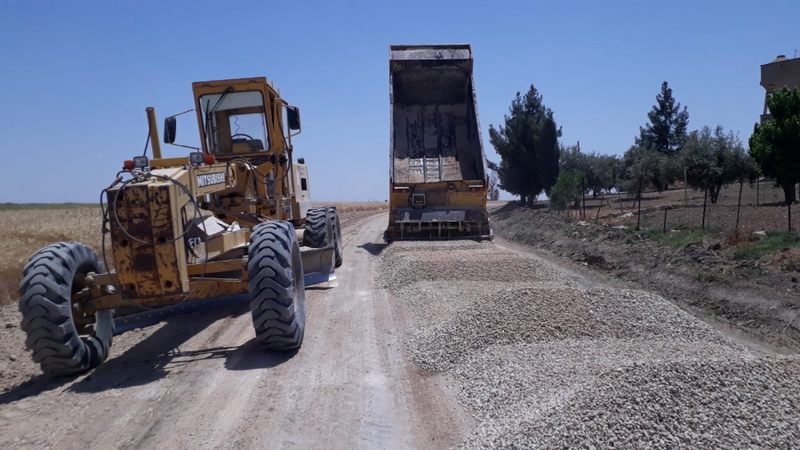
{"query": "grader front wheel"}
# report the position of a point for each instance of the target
(51, 279)
(276, 286)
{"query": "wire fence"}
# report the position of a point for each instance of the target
(744, 208)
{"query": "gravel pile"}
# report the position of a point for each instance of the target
(543, 363)
(729, 403)
(402, 266)
(435, 302)
(512, 388)
(699, 403)
(438, 246)
(547, 313)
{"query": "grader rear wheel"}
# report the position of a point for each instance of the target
(316, 230)
(276, 286)
(60, 344)
(333, 217)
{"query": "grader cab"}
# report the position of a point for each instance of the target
(232, 217)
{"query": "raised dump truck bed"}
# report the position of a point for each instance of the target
(438, 169)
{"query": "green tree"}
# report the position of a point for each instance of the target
(668, 125)
(775, 144)
(600, 171)
(713, 159)
(566, 189)
(528, 147)
(654, 169)
(611, 171)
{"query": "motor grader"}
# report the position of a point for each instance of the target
(231, 217)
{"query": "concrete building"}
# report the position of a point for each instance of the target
(779, 73)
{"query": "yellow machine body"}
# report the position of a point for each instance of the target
(180, 229)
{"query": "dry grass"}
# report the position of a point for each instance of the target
(355, 210)
(348, 207)
(27, 228)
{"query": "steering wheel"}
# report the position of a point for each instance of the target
(242, 134)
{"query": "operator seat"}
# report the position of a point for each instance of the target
(244, 145)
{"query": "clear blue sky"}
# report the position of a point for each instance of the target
(76, 76)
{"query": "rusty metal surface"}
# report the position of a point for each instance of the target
(438, 223)
(200, 290)
(149, 260)
(438, 230)
(435, 135)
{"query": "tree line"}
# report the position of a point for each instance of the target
(534, 161)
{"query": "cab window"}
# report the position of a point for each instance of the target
(235, 122)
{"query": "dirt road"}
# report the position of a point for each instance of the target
(199, 381)
(423, 345)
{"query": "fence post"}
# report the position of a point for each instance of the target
(685, 189)
(758, 183)
(599, 207)
(789, 211)
(705, 201)
(664, 228)
(739, 208)
(583, 196)
(639, 214)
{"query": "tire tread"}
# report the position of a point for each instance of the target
(275, 294)
(45, 304)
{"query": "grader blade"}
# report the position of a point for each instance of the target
(318, 265)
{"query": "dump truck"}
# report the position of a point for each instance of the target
(438, 179)
(232, 217)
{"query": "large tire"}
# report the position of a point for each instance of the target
(333, 217)
(51, 277)
(316, 228)
(276, 286)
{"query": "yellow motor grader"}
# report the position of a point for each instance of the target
(232, 217)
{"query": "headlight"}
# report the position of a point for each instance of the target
(196, 158)
(141, 162)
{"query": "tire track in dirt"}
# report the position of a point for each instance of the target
(199, 380)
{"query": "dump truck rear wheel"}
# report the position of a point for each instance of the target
(50, 279)
(333, 216)
(276, 286)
